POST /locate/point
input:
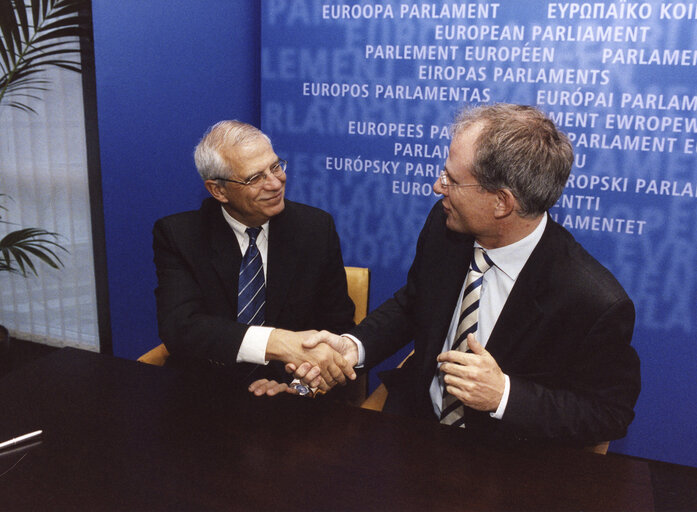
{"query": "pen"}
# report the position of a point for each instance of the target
(20, 439)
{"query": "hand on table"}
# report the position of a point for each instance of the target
(270, 388)
(288, 346)
(310, 374)
(473, 378)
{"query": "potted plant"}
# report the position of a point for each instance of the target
(34, 35)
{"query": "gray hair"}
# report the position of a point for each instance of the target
(209, 162)
(519, 149)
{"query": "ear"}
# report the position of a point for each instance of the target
(216, 190)
(506, 203)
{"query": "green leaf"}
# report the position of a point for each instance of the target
(31, 41)
(21, 11)
(45, 255)
(19, 247)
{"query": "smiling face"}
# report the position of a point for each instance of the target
(252, 205)
(468, 210)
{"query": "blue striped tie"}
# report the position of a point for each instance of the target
(467, 323)
(251, 296)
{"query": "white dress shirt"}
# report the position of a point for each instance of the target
(497, 284)
(253, 347)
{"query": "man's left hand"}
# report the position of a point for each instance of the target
(270, 388)
(473, 378)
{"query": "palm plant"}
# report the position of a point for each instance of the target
(34, 35)
(18, 247)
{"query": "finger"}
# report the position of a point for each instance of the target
(337, 374)
(315, 339)
(312, 375)
(463, 391)
(316, 382)
(474, 345)
(468, 372)
(338, 368)
(278, 388)
(458, 383)
(302, 370)
(290, 368)
(458, 393)
(257, 384)
(263, 387)
(452, 369)
(327, 380)
(323, 385)
(453, 356)
(346, 368)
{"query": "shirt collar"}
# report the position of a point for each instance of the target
(511, 259)
(240, 229)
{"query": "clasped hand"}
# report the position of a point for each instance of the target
(317, 364)
(311, 375)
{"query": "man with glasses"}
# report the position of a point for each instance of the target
(518, 332)
(239, 275)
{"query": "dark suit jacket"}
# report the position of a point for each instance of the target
(563, 337)
(198, 259)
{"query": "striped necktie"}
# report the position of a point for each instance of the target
(251, 296)
(453, 410)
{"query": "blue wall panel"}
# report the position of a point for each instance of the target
(351, 91)
(166, 70)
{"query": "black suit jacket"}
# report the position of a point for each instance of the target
(563, 337)
(198, 259)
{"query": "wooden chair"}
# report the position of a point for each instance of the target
(376, 400)
(600, 448)
(358, 279)
(156, 356)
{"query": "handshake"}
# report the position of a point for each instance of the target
(319, 359)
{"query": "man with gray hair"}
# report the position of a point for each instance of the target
(237, 277)
(518, 332)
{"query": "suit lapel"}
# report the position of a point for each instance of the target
(449, 277)
(520, 312)
(522, 309)
(282, 262)
(226, 256)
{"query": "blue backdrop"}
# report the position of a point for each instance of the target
(167, 69)
(358, 96)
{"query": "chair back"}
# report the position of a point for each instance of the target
(600, 448)
(358, 280)
(156, 356)
(376, 400)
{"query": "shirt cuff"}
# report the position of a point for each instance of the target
(498, 414)
(361, 350)
(253, 346)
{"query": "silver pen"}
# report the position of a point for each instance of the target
(16, 440)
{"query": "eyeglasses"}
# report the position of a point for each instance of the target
(445, 181)
(259, 178)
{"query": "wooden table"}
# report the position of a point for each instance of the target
(128, 436)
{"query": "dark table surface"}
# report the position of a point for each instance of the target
(122, 435)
